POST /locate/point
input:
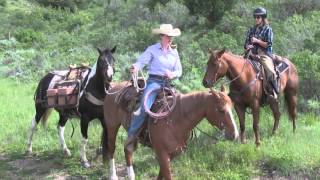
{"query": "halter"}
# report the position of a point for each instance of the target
(222, 124)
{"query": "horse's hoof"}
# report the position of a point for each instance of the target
(113, 177)
(258, 144)
(133, 177)
(243, 141)
(28, 152)
(99, 151)
(67, 153)
(85, 164)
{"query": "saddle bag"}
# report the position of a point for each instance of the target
(65, 94)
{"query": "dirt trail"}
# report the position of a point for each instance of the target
(27, 167)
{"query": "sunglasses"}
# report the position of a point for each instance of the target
(257, 17)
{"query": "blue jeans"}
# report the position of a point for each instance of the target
(137, 121)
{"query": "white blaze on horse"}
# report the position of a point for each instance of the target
(91, 86)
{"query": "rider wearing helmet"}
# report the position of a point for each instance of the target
(259, 40)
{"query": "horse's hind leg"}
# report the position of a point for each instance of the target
(62, 122)
(41, 112)
(274, 105)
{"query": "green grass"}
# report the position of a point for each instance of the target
(284, 155)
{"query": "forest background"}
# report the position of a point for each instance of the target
(37, 36)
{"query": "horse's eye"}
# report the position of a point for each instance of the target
(221, 109)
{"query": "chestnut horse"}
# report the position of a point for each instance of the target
(169, 135)
(246, 89)
(93, 90)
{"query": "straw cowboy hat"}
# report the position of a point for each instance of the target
(167, 29)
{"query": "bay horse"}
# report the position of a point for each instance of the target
(168, 136)
(246, 90)
(92, 92)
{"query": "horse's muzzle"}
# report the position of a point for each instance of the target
(231, 136)
(206, 83)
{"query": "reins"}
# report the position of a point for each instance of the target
(237, 77)
(134, 78)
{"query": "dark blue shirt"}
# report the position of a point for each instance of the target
(263, 33)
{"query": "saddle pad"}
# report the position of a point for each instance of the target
(256, 65)
(282, 67)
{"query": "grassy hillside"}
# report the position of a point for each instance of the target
(285, 155)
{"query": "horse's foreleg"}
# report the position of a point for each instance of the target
(109, 146)
(160, 175)
(62, 122)
(256, 114)
(164, 162)
(276, 115)
(241, 115)
(84, 131)
(129, 160)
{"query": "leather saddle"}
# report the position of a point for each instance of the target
(129, 100)
(280, 66)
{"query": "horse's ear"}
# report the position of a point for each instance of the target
(210, 51)
(215, 93)
(222, 89)
(113, 49)
(219, 54)
(99, 50)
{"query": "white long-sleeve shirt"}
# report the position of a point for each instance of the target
(159, 61)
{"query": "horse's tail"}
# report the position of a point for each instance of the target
(44, 118)
(291, 91)
(40, 95)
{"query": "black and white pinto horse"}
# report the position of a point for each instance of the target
(92, 92)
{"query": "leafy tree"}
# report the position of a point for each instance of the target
(72, 5)
(213, 10)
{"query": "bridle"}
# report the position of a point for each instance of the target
(222, 124)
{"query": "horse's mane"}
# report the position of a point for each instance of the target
(234, 55)
(194, 94)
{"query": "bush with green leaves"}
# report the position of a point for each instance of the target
(308, 67)
(3, 3)
(71, 5)
(29, 36)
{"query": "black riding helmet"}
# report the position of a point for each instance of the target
(260, 11)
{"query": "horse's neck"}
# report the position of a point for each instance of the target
(96, 86)
(238, 69)
(193, 110)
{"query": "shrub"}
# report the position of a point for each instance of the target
(3, 3)
(308, 65)
(29, 36)
(71, 5)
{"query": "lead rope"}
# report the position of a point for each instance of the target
(135, 79)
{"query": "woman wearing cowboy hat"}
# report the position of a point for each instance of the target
(163, 64)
